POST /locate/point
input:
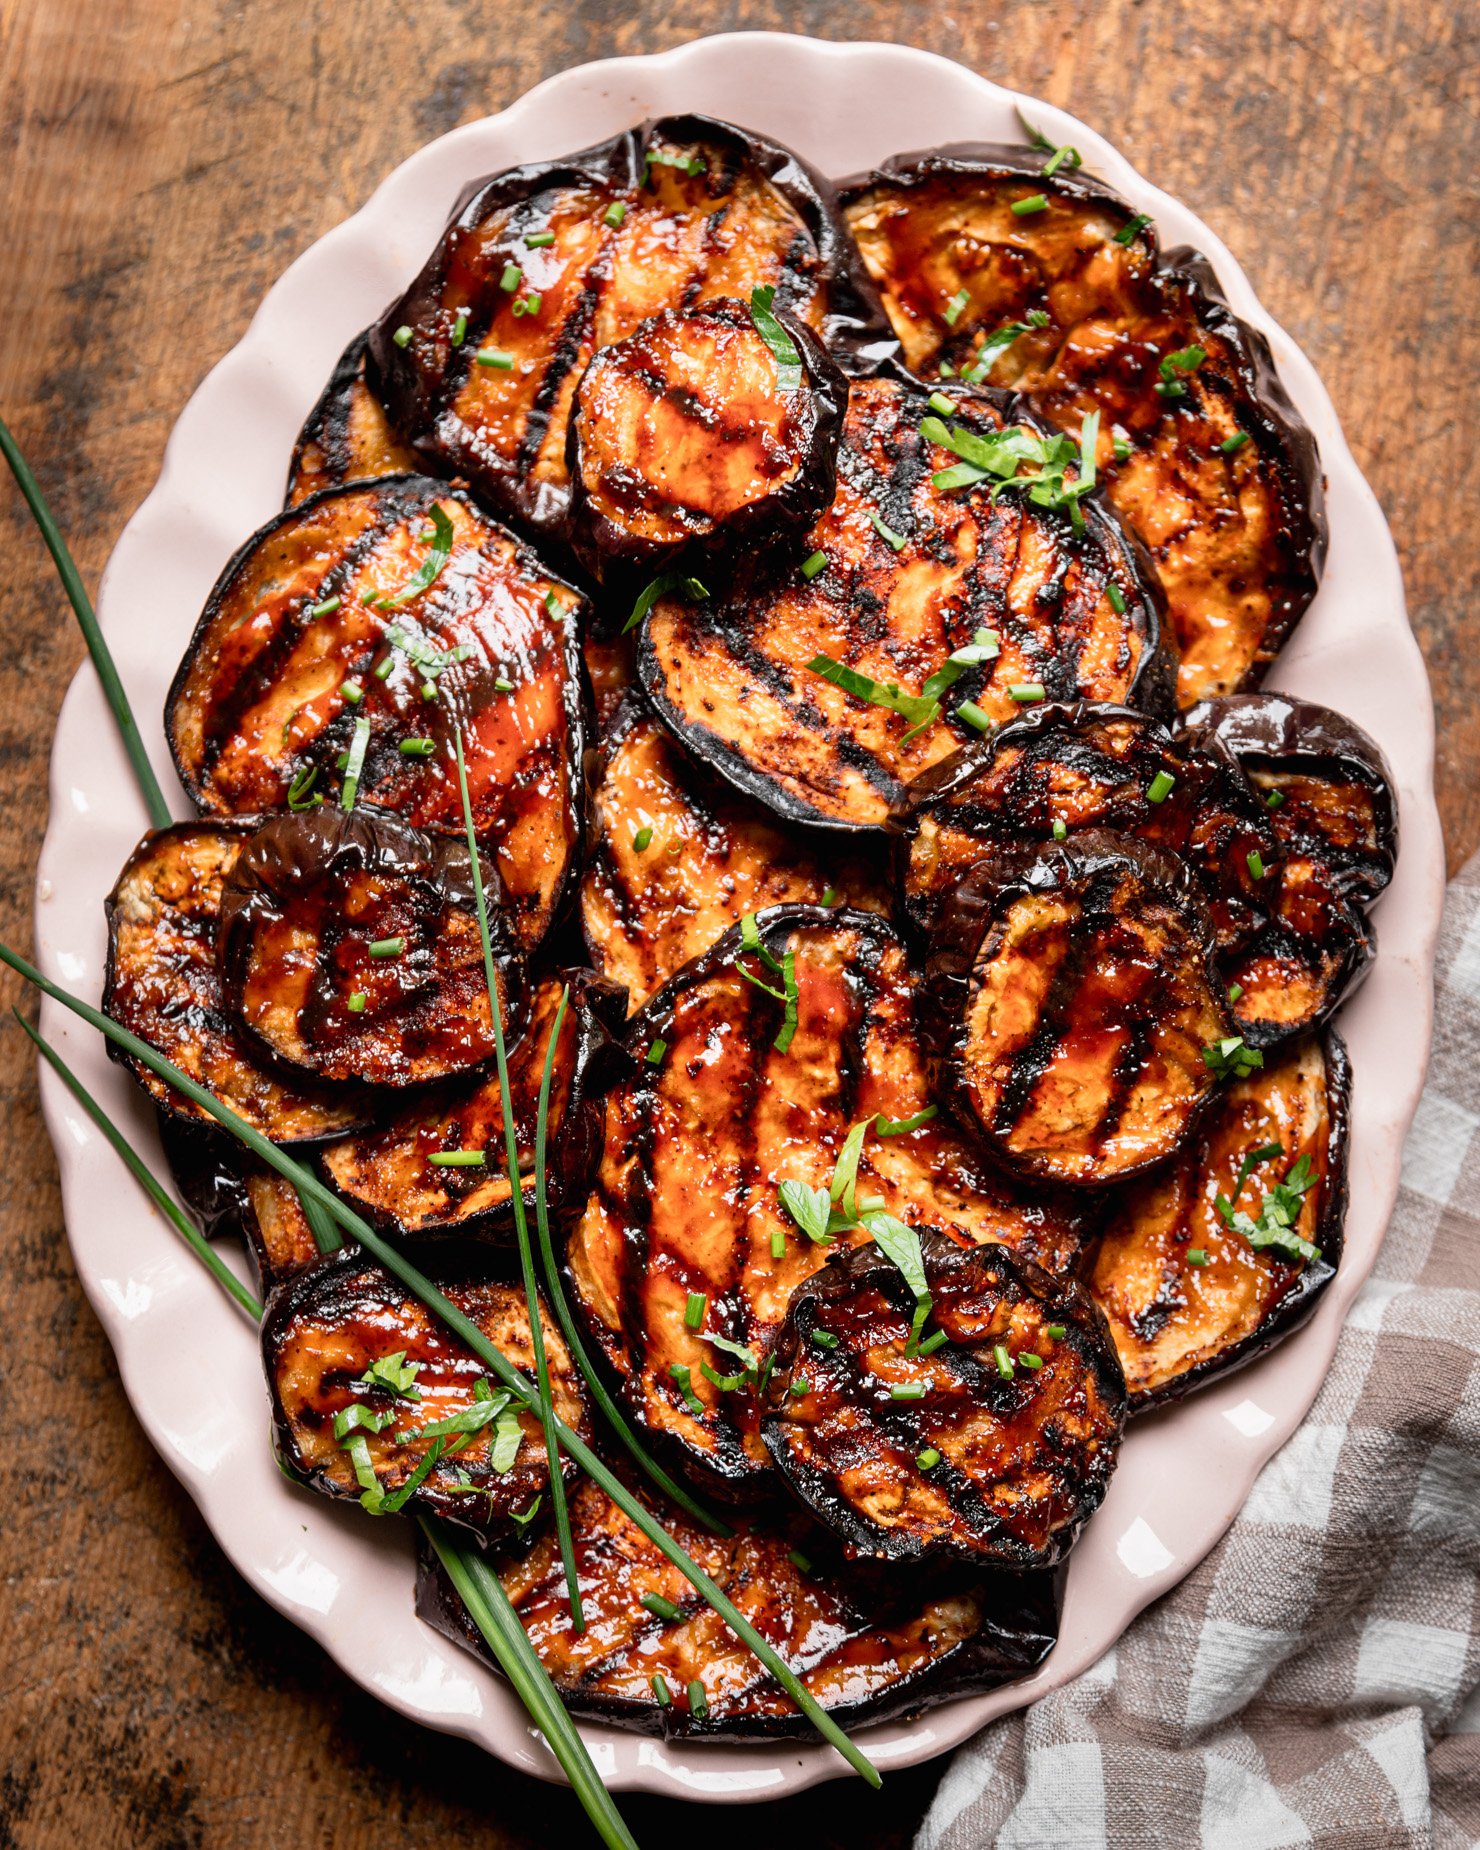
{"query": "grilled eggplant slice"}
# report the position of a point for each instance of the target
(707, 857)
(693, 436)
(1189, 1295)
(866, 1645)
(288, 662)
(233, 1194)
(911, 572)
(279, 1238)
(345, 1334)
(162, 984)
(994, 1448)
(1072, 993)
(669, 215)
(349, 948)
(714, 1118)
(347, 436)
(1083, 767)
(389, 1174)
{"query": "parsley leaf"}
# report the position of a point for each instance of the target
(783, 347)
(810, 1208)
(1275, 1224)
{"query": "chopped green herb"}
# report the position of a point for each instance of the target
(539, 240)
(1133, 228)
(1120, 445)
(939, 402)
(928, 1459)
(418, 748)
(1025, 692)
(643, 839)
(693, 1311)
(813, 564)
(830, 896)
(799, 1561)
(916, 708)
(1000, 457)
(1059, 158)
(673, 580)
(1028, 1360)
(951, 313)
(395, 1374)
(1116, 597)
(528, 304)
(300, 791)
(354, 764)
(511, 278)
(502, 685)
(783, 347)
(614, 214)
(352, 691)
(358, 1416)
(388, 947)
(897, 540)
(1254, 860)
(384, 666)
(402, 336)
(973, 715)
(778, 1243)
(1196, 1256)
(1160, 787)
(1185, 360)
(1060, 828)
(657, 1047)
(680, 1373)
(496, 358)
(660, 1608)
(459, 335)
(991, 350)
(908, 1390)
(1025, 208)
(691, 164)
(459, 1159)
(1235, 990)
(899, 1127)
(430, 569)
(1057, 1331)
(801, 1387)
(523, 1518)
(1005, 1365)
(355, 1003)
(1235, 442)
(936, 1340)
(661, 1692)
(327, 608)
(1274, 799)
(1275, 1224)
(698, 1701)
(824, 1339)
(1231, 1059)
(810, 1208)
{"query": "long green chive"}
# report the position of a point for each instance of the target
(1160, 787)
(974, 716)
(813, 564)
(1235, 442)
(660, 1608)
(459, 1159)
(388, 947)
(928, 1459)
(354, 764)
(693, 1311)
(1035, 202)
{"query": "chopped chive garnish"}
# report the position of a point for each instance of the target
(673, 580)
(691, 164)
(947, 371)
(907, 1390)
(829, 896)
(1005, 1366)
(384, 666)
(1057, 1331)
(1196, 1255)
(939, 402)
(511, 278)
(460, 328)
(1057, 159)
(418, 748)
(1160, 787)
(495, 357)
(352, 691)
(459, 1159)
(1117, 599)
(1028, 1359)
(301, 791)
(698, 1701)
(354, 764)
(1060, 828)
(1235, 990)
(928, 1459)
(539, 240)
(356, 1003)
(657, 1047)
(1035, 202)
(1255, 862)
(973, 715)
(778, 1242)
(327, 608)
(429, 690)
(1133, 228)
(1274, 799)
(898, 1127)
(528, 304)
(642, 840)
(662, 1695)
(1025, 692)
(1185, 360)
(812, 565)
(801, 1387)
(802, 1563)
(1121, 446)
(896, 540)
(952, 310)
(614, 214)
(680, 1373)
(503, 685)
(1230, 1058)
(402, 336)
(1235, 442)
(693, 1311)
(388, 947)
(824, 1339)
(661, 1608)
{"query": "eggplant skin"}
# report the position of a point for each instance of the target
(1178, 1325)
(867, 1646)
(325, 1327)
(753, 214)
(385, 1172)
(162, 983)
(712, 856)
(697, 1141)
(347, 436)
(266, 692)
(1091, 767)
(307, 913)
(683, 443)
(730, 676)
(1071, 992)
(1025, 1452)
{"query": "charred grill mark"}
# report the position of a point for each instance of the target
(1032, 1061)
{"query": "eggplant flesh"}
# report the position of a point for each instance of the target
(233, 1194)
(347, 436)
(289, 663)
(1083, 767)
(969, 1452)
(329, 1327)
(389, 1174)
(1072, 993)
(687, 439)
(1187, 1296)
(672, 214)
(707, 856)
(699, 1137)
(910, 573)
(866, 1646)
(163, 984)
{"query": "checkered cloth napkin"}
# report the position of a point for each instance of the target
(1316, 1681)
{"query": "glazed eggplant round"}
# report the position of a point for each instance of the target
(353, 639)
(349, 948)
(1063, 770)
(704, 429)
(1072, 994)
(1205, 1264)
(438, 1168)
(545, 264)
(376, 1400)
(687, 1253)
(992, 1447)
(865, 1645)
(922, 607)
(162, 983)
(347, 436)
(679, 857)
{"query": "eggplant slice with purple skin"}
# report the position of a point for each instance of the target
(909, 573)
(1083, 767)
(346, 1334)
(233, 1194)
(713, 1118)
(695, 436)
(349, 947)
(1071, 993)
(867, 1646)
(291, 674)
(162, 983)
(992, 1448)
(545, 264)
(679, 857)
(1203, 455)
(392, 1175)
(1187, 1294)
(347, 436)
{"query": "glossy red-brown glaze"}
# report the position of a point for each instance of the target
(347, 436)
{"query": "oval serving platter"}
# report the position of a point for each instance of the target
(190, 1364)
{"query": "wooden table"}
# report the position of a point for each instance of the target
(163, 164)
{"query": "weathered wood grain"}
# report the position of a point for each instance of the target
(162, 164)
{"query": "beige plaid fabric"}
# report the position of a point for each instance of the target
(1316, 1681)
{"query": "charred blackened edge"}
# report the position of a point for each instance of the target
(327, 423)
(969, 916)
(622, 563)
(1296, 1306)
(1067, 1301)
(1280, 731)
(1020, 1626)
(207, 1171)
